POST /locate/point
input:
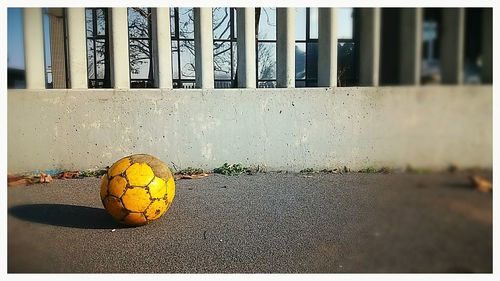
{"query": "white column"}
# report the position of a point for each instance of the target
(487, 46)
(411, 45)
(452, 45)
(285, 47)
(204, 48)
(164, 48)
(327, 48)
(369, 46)
(33, 48)
(246, 47)
(119, 31)
(77, 46)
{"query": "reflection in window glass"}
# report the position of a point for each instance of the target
(312, 64)
(300, 23)
(344, 23)
(186, 23)
(267, 24)
(267, 61)
(140, 47)
(300, 61)
(313, 23)
(183, 60)
(224, 30)
(266, 47)
(187, 60)
(175, 60)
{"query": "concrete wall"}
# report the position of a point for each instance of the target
(290, 129)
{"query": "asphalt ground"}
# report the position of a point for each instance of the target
(262, 223)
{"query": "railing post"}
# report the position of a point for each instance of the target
(411, 46)
(203, 46)
(285, 46)
(246, 48)
(33, 48)
(452, 45)
(327, 47)
(77, 48)
(369, 46)
(119, 31)
(164, 48)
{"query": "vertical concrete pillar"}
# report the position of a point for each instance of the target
(487, 46)
(369, 46)
(246, 47)
(327, 48)
(119, 32)
(204, 48)
(452, 45)
(285, 46)
(411, 46)
(33, 48)
(164, 48)
(77, 46)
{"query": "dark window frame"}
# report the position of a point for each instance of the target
(273, 83)
(106, 81)
(180, 82)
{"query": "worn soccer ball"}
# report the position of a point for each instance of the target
(137, 189)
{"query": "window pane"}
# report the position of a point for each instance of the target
(344, 22)
(138, 22)
(312, 61)
(140, 53)
(187, 59)
(172, 22)
(345, 66)
(175, 62)
(267, 24)
(100, 47)
(222, 60)
(266, 60)
(300, 60)
(300, 24)
(90, 58)
(186, 23)
(101, 22)
(221, 23)
(88, 20)
(313, 23)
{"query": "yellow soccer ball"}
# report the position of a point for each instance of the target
(137, 189)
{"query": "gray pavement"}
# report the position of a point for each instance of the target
(263, 223)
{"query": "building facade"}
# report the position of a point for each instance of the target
(92, 112)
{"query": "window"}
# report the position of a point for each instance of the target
(225, 47)
(97, 33)
(265, 19)
(306, 47)
(182, 36)
(140, 35)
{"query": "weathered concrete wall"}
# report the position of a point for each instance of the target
(290, 129)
